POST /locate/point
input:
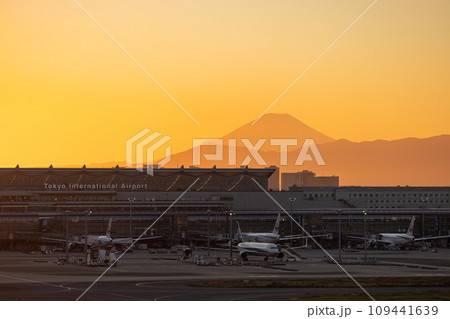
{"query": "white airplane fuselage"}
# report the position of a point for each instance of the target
(260, 249)
(98, 241)
(256, 249)
(261, 237)
(267, 237)
(397, 239)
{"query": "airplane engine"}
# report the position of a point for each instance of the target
(280, 255)
(243, 256)
(71, 246)
(372, 244)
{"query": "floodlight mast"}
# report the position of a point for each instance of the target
(365, 237)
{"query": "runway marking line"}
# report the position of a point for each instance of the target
(35, 282)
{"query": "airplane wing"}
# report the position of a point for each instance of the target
(144, 238)
(372, 239)
(430, 238)
(354, 237)
(57, 240)
(129, 240)
(217, 238)
(300, 237)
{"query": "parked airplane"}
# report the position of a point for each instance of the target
(272, 237)
(397, 240)
(256, 248)
(98, 241)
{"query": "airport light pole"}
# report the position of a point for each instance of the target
(292, 200)
(340, 254)
(86, 235)
(231, 214)
(67, 235)
(365, 237)
(424, 200)
(131, 200)
(209, 239)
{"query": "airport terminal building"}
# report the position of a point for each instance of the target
(35, 202)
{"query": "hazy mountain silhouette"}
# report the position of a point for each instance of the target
(273, 125)
(408, 161)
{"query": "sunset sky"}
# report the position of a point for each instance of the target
(69, 95)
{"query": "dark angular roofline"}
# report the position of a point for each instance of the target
(194, 171)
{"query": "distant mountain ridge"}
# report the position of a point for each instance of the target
(274, 125)
(408, 161)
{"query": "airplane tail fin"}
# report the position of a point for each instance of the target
(108, 231)
(239, 234)
(276, 228)
(411, 227)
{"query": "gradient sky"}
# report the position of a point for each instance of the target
(69, 95)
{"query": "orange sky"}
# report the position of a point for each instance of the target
(69, 95)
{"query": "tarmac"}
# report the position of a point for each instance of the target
(162, 276)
